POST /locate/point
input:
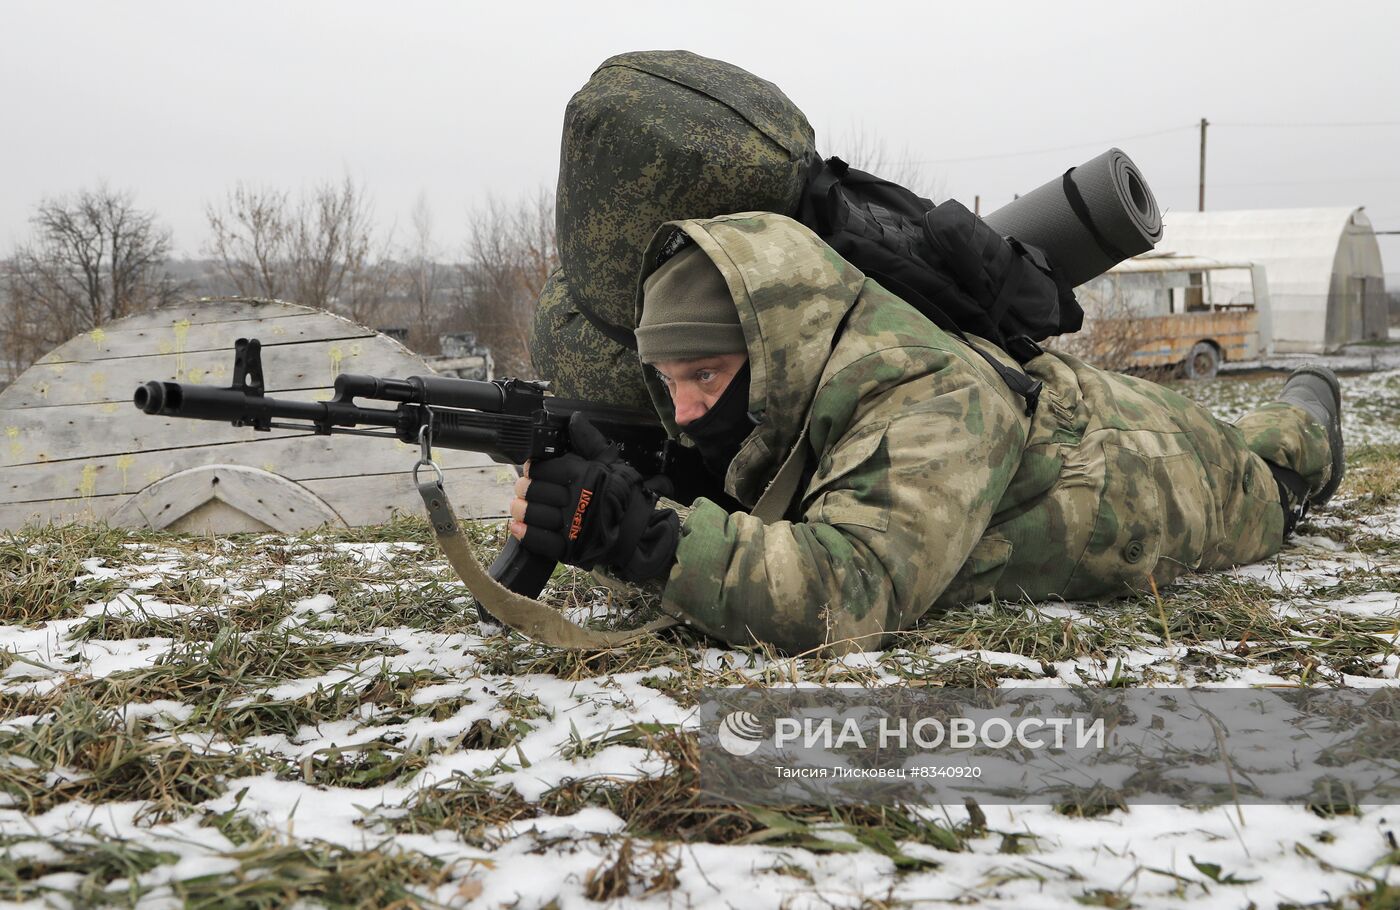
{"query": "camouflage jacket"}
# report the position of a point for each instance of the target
(929, 483)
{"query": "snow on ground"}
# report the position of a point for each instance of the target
(1372, 401)
(354, 749)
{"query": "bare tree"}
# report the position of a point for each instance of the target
(251, 239)
(1114, 331)
(370, 282)
(868, 152)
(510, 252)
(330, 243)
(319, 250)
(94, 257)
(423, 280)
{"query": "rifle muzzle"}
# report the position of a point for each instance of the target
(150, 397)
(174, 399)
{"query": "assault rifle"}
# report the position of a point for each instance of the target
(511, 420)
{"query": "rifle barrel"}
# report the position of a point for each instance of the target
(202, 402)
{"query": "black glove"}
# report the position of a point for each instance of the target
(588, 507)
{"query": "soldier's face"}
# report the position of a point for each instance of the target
(695, 385)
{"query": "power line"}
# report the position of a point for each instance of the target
(1097, 143)
(1330, 124)
(1388, 179)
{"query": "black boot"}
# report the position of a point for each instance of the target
(1315, 389)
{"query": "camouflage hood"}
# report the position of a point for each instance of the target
(792, 292)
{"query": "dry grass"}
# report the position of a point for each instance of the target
(633, 871)
(81, 751)
(270, 873)
(42, 575)
(470, 807)
(209, 673)
(68, 736)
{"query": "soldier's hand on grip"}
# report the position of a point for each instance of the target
(588, 508)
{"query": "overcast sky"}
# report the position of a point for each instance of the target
(175, 101)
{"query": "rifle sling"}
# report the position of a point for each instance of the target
(525, 615)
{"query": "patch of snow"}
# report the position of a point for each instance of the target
(103, 658)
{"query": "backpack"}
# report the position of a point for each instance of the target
(657, 136)
(945, 262)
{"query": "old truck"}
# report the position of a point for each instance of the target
(1170, 311)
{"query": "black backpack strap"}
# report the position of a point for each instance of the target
(612, 332)
(1023, 348)
(1015, 380)
(816, 208)
(881, 228)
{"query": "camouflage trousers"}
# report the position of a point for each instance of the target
(1125, 481)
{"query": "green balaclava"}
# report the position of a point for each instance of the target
(687, 311)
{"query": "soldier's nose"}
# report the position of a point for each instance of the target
(689, 408)
(689, 415)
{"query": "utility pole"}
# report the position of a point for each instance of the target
(1201, 206)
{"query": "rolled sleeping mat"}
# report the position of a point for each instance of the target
(1088, 220)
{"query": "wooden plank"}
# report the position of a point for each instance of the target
(204, 310)
(117, 340)
(475, 491)
(242, 495)
(295, 457)
(57, 511)
(195, 312)
(82, 431)
(290, 366)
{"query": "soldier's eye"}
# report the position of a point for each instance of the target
(705, 376)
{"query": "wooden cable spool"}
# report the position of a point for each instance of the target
(75, 449)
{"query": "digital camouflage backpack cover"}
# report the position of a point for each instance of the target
(656, 136)
(580, 361)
